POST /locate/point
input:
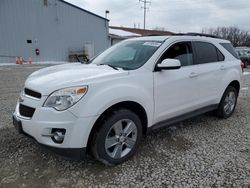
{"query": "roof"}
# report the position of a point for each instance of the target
(72, 5)
(122, 33)
(183, 37)
(242, 47)
(152, 38)
(161, 36)
(143, 32)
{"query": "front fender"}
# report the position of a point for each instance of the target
(99, 98)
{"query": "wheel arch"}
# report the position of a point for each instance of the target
(130, 105)
(236, 85)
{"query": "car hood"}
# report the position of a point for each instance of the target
(57, 77)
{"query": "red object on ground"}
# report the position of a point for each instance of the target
(21, 60)
(17, 60)
(30, 60)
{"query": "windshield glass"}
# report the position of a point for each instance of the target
(128, 55)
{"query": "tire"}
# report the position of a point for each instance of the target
(228, 103)
(117, 138)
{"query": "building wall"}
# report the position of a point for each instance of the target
(55, 30)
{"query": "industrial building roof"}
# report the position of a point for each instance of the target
(122, 33)
(70, 4)
(142, 32)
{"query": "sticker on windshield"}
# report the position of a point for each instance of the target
(155, 44)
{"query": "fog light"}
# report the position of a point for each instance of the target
(58, 135)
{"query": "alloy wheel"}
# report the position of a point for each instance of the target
(121, 138)
(229, 102)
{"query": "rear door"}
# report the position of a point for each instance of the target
(211, 67)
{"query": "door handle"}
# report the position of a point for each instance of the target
(222, 67)
(193, 75)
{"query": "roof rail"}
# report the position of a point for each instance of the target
(197, 34)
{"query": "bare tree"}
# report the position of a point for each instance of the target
(237, 36)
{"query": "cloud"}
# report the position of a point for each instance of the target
(173, 15)
(232, 4)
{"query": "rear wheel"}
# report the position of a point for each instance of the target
(117, 138)
(228, 103)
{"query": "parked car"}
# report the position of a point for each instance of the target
(244, 57)
(247, 50)
(138, 85)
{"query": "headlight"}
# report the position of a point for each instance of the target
(64, 98)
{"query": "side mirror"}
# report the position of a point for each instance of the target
(169, 64)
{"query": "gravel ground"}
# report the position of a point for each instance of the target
(201, 152)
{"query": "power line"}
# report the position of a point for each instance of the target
(145, 8)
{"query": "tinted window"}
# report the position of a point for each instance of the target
(229, 47)
(205, 52)
(220, 56)
(181, 51)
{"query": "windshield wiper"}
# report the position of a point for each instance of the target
(110, 66)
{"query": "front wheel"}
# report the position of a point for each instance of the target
(228, 103)
(118, 137)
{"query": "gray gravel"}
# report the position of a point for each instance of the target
(201, 152)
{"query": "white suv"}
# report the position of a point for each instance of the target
(105, 107)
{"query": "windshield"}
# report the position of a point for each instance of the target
(128, 55)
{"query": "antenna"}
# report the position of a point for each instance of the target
(145, 3)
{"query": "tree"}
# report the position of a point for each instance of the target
(237, 36)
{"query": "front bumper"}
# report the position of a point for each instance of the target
(44, 120)
(72, 153)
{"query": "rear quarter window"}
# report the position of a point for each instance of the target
(229, 47)
(220, 56)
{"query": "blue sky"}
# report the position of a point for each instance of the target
(173, 15)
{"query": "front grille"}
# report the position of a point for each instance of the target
(26, 111)
(32, 93)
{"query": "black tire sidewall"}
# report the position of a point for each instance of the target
(102, 133)
(221, 110)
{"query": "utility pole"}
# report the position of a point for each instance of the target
(145, 8)
(106, 14)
